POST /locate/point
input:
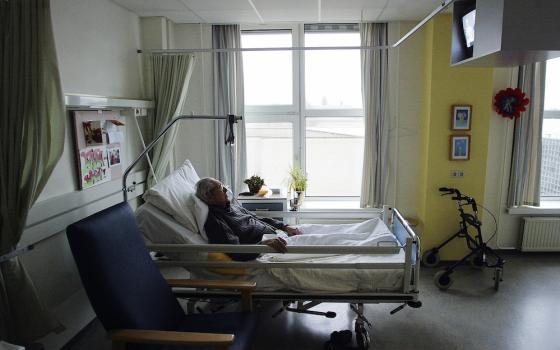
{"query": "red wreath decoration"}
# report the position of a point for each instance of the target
(509, 103)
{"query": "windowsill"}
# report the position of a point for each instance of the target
(546, 208)
(321, 204)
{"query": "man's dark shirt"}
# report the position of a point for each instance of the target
(234, 224)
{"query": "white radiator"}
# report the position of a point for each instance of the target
(541, 234)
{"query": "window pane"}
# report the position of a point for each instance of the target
(267, 75)
(270, 152)
(334, 156)
(550, 167)
(552, 90)
(332, 78)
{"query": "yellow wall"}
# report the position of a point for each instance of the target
(447, 86)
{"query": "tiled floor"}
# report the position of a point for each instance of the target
(524, 314)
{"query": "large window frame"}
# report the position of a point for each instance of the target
(549, 114)
(297, 113)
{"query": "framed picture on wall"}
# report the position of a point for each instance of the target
(460, 147)
(461, 118)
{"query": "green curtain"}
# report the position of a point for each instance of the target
(31, 142)
(525, 173)
(169, 77)
(375, 95)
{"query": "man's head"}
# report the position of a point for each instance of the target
(211, 191)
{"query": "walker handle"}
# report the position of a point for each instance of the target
(446, 190)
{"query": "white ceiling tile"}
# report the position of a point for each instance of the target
(290, 16)
(399, 10)
(237, 16)
(241, 11)
(137, 6)
(184, 17)
(287, 10)
(218, 5)
(354, 4)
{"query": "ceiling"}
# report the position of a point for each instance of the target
(275, 11)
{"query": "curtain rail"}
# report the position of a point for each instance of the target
(444, 4)
(266, 49)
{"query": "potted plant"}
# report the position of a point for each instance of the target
(298, 184)
(254, 183)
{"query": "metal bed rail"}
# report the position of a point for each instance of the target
(410, 267)
(383, 247)
(412, 252)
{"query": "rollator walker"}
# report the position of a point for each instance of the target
(479, 250)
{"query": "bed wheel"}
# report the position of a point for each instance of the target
(362, 336)
(430, 258)
(443, 280)
(497, 278)
(477, 261)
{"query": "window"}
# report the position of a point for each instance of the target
(334, 154)
(321, 127)
(270, 150)
(267, 74)
(332, 78)
(550, 167)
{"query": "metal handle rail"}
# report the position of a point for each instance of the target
(380, 248)
(410, 280)
(159, 136)
(412, 273)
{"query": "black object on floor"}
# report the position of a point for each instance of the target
(339, 340)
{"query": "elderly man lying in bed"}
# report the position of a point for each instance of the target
(229, 223)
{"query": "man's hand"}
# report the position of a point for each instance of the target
(292, 230)
(277, 244)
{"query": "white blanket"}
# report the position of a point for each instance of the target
(368, 233)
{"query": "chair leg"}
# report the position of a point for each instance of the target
(246, 300)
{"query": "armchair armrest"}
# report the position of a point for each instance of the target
(245, 287)
(121, 337)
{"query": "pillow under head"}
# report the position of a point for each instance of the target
(175, 195)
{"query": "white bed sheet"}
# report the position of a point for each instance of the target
(159, 227)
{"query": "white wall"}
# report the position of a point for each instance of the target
(195, 139)
(96, 44)
(407, 64)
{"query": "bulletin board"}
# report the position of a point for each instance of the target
(99, 140)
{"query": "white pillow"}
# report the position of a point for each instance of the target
(175, 195)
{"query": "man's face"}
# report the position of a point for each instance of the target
(218, 195)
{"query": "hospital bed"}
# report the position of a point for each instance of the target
(180, 215)
(386, 272)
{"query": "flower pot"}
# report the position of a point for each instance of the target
(296, 202)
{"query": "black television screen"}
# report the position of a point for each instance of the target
(468, 28)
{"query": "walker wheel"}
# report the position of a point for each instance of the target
(443, 280)
(430, 258)
(477, 261)
(362, 336)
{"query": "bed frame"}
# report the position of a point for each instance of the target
(302, 302)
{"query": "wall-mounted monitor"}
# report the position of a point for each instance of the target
(468, 28)
(463, 31)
